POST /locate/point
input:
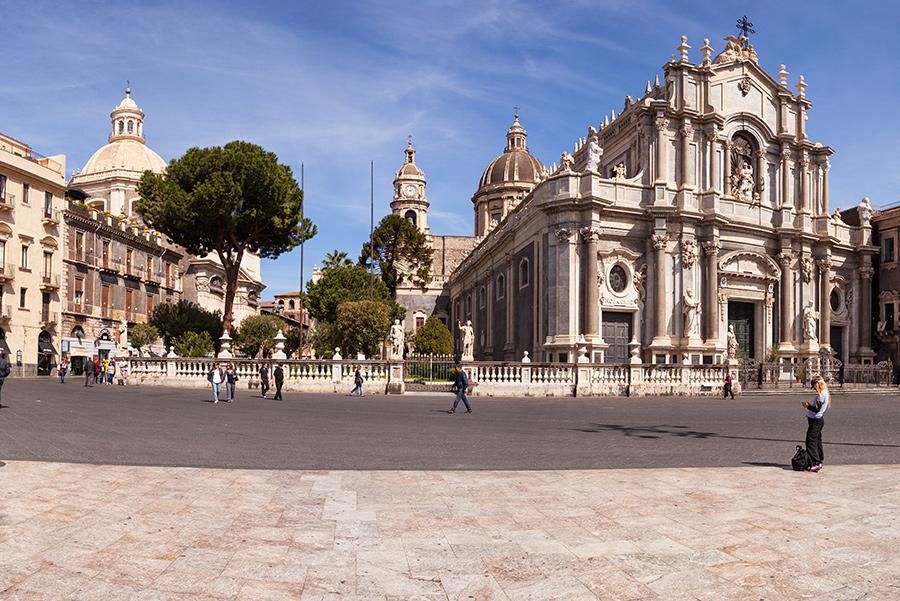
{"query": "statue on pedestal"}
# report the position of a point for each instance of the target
(731, 353)
(691, 312)
(467, 333)
(396, 339)
(810, 323)
(593, 154)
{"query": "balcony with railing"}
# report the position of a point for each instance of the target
(81, 256)
(5, 313)
(51, 217)
(131, 315)
(7, 201)
(50, 281)
(7, 272)
(49, 318)
(106, 311)
(111, 264)
(133, 270)
(154, 277)
(80, 308)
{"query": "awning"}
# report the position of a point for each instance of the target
(79, 352)
(46, 347)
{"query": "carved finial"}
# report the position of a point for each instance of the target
(656, 81)
(683, 49)
(801, 87)
(782, 76)
(606, 121)
(612, 115)
(127, 88)
(649, 89)
(707, 51)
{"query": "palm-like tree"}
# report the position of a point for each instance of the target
(336, 258)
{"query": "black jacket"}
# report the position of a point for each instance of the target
(5, 369)
(278, 374)
(264, 373)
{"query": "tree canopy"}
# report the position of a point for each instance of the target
(342, 284)
(255, 337)
(173, 320)
(433, 338)
(226, 200)
(336, 258)
(142, 334)
(361, 326)
(401, 253)
(194, 344)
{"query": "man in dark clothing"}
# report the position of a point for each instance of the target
(461, 384)
(278, 374)
(5, 370)
(264, 380)
(728, 387)
(88, 372)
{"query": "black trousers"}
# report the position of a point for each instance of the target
(1, 391)
(727, 390)
(814, 440)
(278, 386)
(264, 387)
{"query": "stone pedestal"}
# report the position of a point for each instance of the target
(279, 346)
(735, 376)
(395, 384)
(225, 347)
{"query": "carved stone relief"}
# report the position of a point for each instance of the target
(689, 252)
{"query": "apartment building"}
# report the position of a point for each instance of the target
(32, 192)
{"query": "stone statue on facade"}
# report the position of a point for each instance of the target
(593, 154)
(467, 333)
(566, 161)
(122, 334)
(810, 323)
(866, 210)
(742, 181)
(732, 348)
(396, 337)
(689, 252)
(691, 312)
(620, 170)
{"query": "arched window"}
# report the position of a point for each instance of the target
(291, 305)
(524, 273)
(121, 126)
(140, 128)
(130, 126)
(501, 287)
(411, 215)
(78, 332)
(482, 297)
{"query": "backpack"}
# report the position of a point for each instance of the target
(801, 461)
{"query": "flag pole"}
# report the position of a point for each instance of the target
(372, 227)
(302, 313)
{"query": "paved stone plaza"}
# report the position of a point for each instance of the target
(724, 520)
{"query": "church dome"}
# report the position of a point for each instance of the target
(409, 167)
(126, 150)
(516, 166)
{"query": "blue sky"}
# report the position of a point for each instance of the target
(338, 84)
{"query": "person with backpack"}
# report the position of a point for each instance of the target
(5, 370)
(215, 377)
(357, 382)
(815, 419)
(264, 380)
(727, 388)
(278, 374)
(231, 379)
(461, 385)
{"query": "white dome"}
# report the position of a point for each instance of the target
(127, 103)
(123, 155)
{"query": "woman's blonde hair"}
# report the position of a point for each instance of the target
(821, 386)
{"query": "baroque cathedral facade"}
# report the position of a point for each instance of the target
(692, 227)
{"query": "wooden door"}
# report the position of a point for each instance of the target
(617, 334)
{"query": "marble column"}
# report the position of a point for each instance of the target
(662, 166)
(591, 237)
(713, 136)
(508, 293)
(760, 173)
(711, 310)
(865, 308)
(825, 167)
(804, 185)
(787, 297)
(726, 187)
(686, 132)
(660, 242)
(786, 201)
(825, 285)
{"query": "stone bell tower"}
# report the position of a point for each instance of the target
(409, 200)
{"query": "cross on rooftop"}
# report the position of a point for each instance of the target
(745, 26)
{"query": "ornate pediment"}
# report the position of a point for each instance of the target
(749, 264)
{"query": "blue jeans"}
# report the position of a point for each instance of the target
(229, 388)
(215, 389)
(461, 396)
(357, 390)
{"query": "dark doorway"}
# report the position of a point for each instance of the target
(742, 317)
(45, 354)
(617, 334)
(837, 341)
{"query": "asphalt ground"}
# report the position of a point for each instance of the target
(46, 421)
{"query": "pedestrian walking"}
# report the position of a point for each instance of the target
(89, 372)
(231, 379)
(815, 420)
(104, 365)
(5, 370)
(110, 371)
(278, 374)
(461, 385)
(215, 377)
(97, 372)
(63, 369)
(264, 380)
(727, 388)
(357, 382)
(123, 372)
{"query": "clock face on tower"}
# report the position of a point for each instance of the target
(409, 191)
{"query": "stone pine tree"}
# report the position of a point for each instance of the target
(228, 201)
(401, 253)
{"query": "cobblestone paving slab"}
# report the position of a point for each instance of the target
(144, 533)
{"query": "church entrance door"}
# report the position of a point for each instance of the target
(742, 317)
(617, 334)
(837, 341)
